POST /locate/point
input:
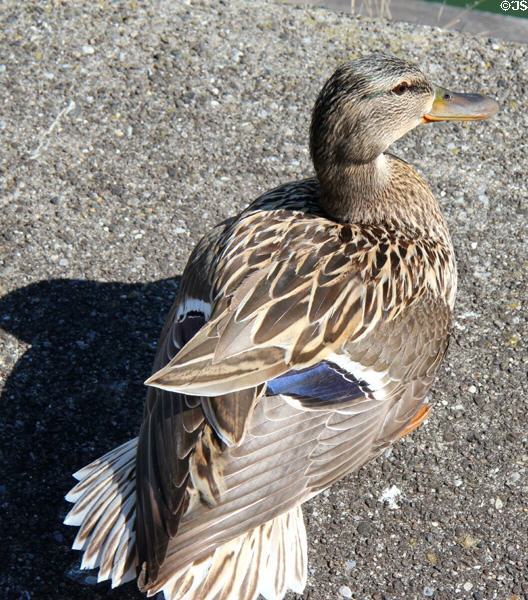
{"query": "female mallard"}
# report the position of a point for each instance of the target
(303, 341)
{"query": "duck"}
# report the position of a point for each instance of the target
(303, 341)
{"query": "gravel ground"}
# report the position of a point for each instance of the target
(128, 129)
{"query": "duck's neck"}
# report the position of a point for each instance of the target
(350, 192)
(385, 190)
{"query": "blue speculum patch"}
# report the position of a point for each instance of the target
(318, 385)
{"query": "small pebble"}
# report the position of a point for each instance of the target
(428, 592)
(57, 536)
(468, 585)
(88, 49)
(389, 496)
(349, 565)
(472, 389)
(345, 591)
(363, 528)
(432, 558)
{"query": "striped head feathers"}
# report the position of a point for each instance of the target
(365, 106)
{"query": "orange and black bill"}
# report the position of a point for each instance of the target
(451, 106)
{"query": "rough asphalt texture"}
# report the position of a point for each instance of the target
(127, 130)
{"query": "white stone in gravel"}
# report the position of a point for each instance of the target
(349, 565)
(345, 591)
(468, 585)
(389, 496)
(87, 49)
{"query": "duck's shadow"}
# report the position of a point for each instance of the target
(74, 394)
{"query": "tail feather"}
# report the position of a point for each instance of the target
(266, 560)
(289, 559)
(104, 510)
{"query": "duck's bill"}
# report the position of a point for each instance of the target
(450, 106)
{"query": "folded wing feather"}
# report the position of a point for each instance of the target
(285, 293)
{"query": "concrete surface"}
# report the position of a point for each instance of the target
(130, 128)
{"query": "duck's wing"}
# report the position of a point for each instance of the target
(300, 440)
(273, 298)
(173, 423)
(289, 290)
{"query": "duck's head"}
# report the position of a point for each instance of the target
(370, 102)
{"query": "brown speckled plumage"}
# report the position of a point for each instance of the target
(303, 341)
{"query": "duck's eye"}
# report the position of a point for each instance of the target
(401, 88)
